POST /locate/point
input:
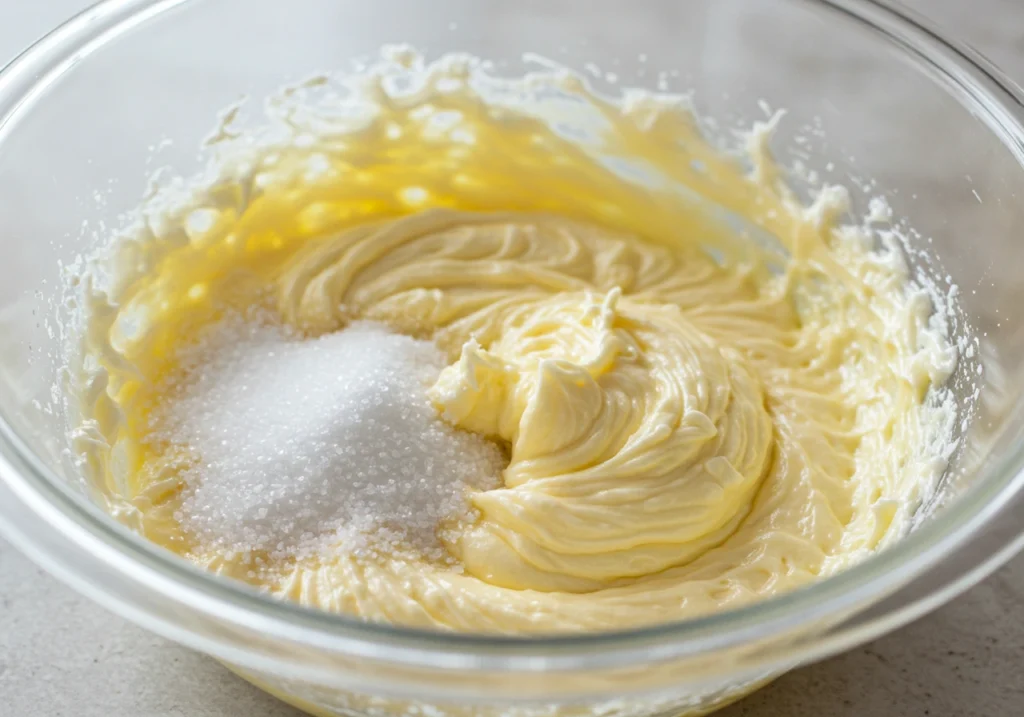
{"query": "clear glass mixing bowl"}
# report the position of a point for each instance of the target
(873, 96)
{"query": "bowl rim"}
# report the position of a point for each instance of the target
(979, 85)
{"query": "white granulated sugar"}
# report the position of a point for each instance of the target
(301, 446)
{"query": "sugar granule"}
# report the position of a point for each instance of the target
(299, 447)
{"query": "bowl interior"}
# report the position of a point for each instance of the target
(862, 110)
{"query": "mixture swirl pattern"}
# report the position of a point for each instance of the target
(638, 433)
(693, 418)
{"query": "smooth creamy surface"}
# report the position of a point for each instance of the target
(710, 393)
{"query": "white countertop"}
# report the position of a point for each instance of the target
(62, 656)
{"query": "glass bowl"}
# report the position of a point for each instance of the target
(876, 99)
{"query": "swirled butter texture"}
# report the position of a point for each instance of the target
(709, 392)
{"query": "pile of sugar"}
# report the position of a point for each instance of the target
(300, 447)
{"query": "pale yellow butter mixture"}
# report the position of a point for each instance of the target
(709, 393)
